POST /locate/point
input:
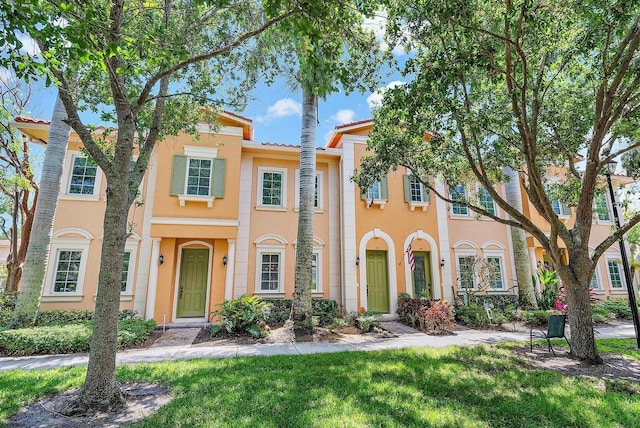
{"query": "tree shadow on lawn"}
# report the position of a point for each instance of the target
(412, 387)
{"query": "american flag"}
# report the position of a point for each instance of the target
(412, 263)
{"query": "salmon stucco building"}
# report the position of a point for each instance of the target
(216, 218)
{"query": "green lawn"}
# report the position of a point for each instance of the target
(466, 387)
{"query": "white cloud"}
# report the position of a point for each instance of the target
(282, 108)
(29, 46)
(378, 25)
(375, 98)
(344, 116)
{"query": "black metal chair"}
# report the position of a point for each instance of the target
(555, 329)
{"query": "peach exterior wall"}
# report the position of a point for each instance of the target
(285, 223)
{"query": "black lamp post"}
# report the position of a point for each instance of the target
(611, 167)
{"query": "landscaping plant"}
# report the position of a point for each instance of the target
(246, 314)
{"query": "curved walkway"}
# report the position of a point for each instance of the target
(406, 338)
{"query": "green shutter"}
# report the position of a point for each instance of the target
(406, 181)
(178, 175)
(384, 188)
(219, 167)
(426, 196)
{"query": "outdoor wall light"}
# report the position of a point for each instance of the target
(441, 262)
(161, 259)
(357, 261)
(224, 260)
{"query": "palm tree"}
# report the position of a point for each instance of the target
(36, 260)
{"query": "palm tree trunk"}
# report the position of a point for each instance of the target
(35, 263)
(301, 309)
(526, 292)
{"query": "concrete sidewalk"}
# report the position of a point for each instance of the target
(406, 339)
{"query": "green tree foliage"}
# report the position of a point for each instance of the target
(153, 68)
(525, 85)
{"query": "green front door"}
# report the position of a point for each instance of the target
(192, 290)
(377, 281)
(422, 275)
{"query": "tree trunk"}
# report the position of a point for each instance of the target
(38, 250)
(526, 291)
(100, 390)
(583, 344)
(301, 309)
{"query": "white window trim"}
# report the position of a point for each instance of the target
(66, 244)
(609, 210)
(283, 198)
(200, 152)
(496, 208)
(423, 191)
(598, 287)
(465, 253)
(68, 172)
(131, 247)
(455, 215)
(319, 177)
(274, 249)
(615, 259)
(499, 254)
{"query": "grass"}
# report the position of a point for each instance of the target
(455, 387)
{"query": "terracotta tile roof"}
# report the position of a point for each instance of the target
(238, 116)
(25, 119)
(358, 122)
(289, 146)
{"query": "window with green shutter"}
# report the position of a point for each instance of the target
(415, 194)
(197, 179)
(377, 194)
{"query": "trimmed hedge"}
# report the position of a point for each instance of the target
(496, 301)
(62, 317)
(70, 338)
(325, 309)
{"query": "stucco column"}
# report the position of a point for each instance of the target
(153, 278)
(231, 262)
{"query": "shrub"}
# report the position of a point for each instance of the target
(533, 318)
(62, 339)
(600, 314)
(437, 318)
(472, 315)
(7, 304)
(325, 309)
(409, 309)
(244, 314)
(619, 307)
(499, 302)
(368, 322)
(61, 317)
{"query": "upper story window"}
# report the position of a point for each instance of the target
(318, 202)
(601, 207)
(415, 193)
(198, 176)
(458, 193)
(83, 176)
(272, 187)
(561, 209)
(615, 273)
(377, 194)
(486, 201)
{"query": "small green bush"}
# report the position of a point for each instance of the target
(244, 314)
(619, 307)
(368, 322)
(499, 302)
(64, 339)
(8, 300)
(61, 317)
(601, 314)
(325, 309)
(472, 316)
(533, 318)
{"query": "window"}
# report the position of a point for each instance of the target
(318, 201)
(561, 209)
(126, 264)
(198, 177)
(486, 201)
(67, 271)
(615, 273)
(466, 271)
(270, 272)
(272, 187)
(594, 281)
(458, 193)
(415, 194)
(601, 207)
(315, 284)
(83, 176)
(374, 191)
(495, 277)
